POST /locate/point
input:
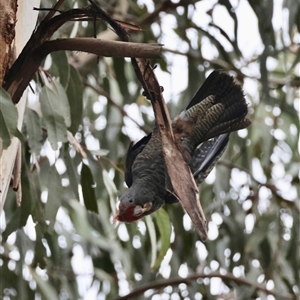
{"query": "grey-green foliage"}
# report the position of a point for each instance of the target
(8, 119)
(70, 249)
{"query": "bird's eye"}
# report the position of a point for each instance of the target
(130, 200)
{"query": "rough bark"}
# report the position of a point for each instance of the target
(24, 23)
(8, 17)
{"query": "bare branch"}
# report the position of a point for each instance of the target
(103, 47)
(190, 279)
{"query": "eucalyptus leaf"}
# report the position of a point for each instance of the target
(60, 67)
(100, 274)
(111, 189)
(164, 228)
(55, 191)
(99, 152)
(64, 105)
(5, 136)
(88, 190)
(153, 241)
(45, 287)
(8, 118)
(75, 98)
(82, 226)
(72, 172)
(53, 116)
(34, 131)
(119, 66)
(40, 253)
(255, 240)
(12, 225)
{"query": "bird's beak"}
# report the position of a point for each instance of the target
(140, 210)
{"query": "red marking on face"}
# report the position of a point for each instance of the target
(126, 213)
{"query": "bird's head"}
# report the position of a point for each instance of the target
(134, 206)
(131, 212)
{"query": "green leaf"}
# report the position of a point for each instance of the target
(99, 152)
(119, 66)
(60, 67)
(111, 189)
(20, 215)
(88, 189)
(55, 191)
(152, 234)
(46, 289)
(79, 217)
(75, 97)
(54, 120)
(40, 255)
(4, 134)
(34, 130)
(255, 239)
(13, 224)
(8, 119)
(72, 172)
(164, 228)
(63, 100)
(102, 275)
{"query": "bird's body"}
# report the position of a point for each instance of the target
(217, 109)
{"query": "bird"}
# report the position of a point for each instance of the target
(201, 132)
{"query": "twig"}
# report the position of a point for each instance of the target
(162, 6)
(191, 278)
(219, 62)
(119, 107)
(112, 163)
(224, 65)
(55, 8)
(270, 186)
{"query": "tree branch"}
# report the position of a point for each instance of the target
(269, 186)
(191, 278)
(39, 46)
(103, 47)
(100, 47)
(224, 65)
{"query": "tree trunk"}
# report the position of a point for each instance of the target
(17, 21)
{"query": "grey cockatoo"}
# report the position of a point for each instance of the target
(201, 132)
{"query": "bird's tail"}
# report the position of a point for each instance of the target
(218, 107)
